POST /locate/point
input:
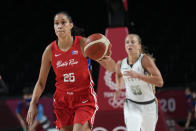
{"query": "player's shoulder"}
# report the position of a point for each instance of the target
(81, 38)
(147, 61)
(47, 54)
(146, 58)
(82, 41)
(78, 37)
(122, 60)
(48, 48)
(53, 43)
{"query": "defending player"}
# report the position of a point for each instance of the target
(139, 74)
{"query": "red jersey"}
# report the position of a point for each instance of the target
(71, 68)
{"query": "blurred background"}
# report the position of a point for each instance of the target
(167, 28)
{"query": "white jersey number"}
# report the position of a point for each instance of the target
(136, 90)
(69, 77)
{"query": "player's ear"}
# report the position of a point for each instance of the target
(140, 48)
(71, 24)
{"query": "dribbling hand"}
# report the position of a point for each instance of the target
(105, 59)
(32, 112)
(131, 74)
(108, 63)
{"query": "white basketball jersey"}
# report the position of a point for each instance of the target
(136, 90)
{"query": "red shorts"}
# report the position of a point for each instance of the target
(75, 107)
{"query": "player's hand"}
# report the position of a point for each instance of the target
(32, 112)
(107, 56)
(108, 63)
(109, 53)
(105, 59)
(131, 74)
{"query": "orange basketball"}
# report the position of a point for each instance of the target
(97, 46)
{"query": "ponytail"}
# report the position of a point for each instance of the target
(144, 49)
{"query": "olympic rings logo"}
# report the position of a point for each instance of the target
(118, 128)
(116, 103)
(112, 86)
(108, 80)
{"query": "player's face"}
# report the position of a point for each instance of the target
(132, 45)
(62, 25)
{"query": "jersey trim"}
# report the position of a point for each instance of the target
(142, 103)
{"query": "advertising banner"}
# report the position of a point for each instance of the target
(106, 81)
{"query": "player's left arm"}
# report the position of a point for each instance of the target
(107, 62)
(39, 117)
(155, 77)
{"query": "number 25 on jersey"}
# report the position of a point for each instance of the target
(69, 77)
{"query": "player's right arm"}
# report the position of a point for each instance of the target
(119, 80)
(40, 84)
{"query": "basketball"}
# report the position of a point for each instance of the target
(97, 46)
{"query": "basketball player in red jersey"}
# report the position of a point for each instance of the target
(75, 102)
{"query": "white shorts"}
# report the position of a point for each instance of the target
(140, 116)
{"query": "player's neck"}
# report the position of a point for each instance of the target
(133, 58)
(65, 43)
